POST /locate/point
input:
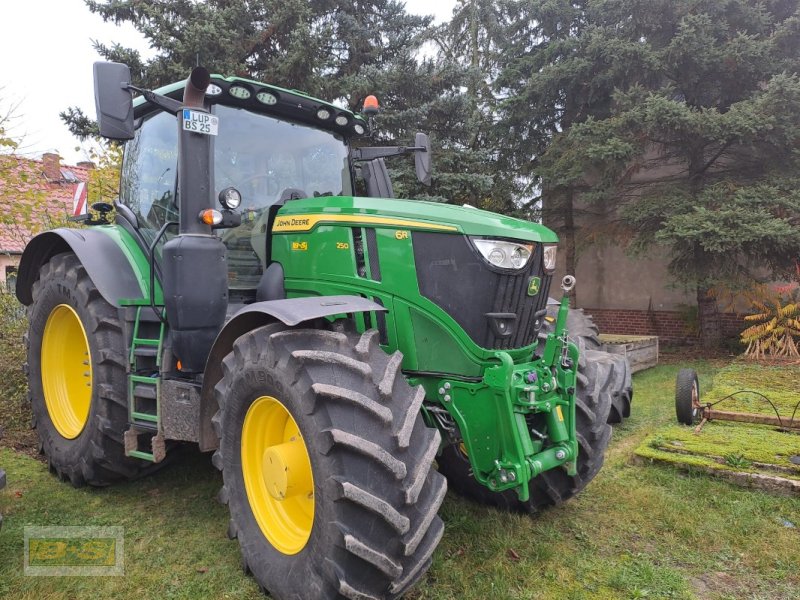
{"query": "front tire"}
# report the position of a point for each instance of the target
(77, 380)
(365, 522)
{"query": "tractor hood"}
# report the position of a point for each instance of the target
(305, 214)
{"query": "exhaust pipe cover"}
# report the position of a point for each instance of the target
(195, 91)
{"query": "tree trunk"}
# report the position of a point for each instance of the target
(558, 214)
(708, 316)
(707, 308)
(570, 261)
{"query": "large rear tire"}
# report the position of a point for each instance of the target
(77, 382)
(355, 515)
(583, 331)
(593, 403)
(622, 390)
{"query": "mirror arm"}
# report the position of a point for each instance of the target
(164, 103)
(370, 153)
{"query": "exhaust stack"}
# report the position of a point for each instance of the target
(195, 268)
(195, 91)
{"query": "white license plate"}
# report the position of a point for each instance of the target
(200, 122)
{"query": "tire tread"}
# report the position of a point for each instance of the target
(374, 424)
(103, 461)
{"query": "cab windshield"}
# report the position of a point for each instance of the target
(266, 159)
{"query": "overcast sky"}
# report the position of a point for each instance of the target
(46, 58)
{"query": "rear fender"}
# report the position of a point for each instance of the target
(291, 312)
(104, 261)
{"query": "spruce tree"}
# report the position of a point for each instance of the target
(341, 51)
(471, 43)
(559, 65)
(318, 46)
(719, 113)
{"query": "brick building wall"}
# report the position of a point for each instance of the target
(632, 294)
(669, 326)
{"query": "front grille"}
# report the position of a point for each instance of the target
(458, 280)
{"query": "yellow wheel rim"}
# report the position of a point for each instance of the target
(277, 475)
(66, 371)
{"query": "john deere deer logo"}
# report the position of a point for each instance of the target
(534, 285)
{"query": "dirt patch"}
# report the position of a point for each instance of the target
(675, 354)
(716, 584)
(25, 442)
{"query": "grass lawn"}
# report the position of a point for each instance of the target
(635, 532)
(757, 454)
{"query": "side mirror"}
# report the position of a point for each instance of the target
(113, 100)
(422, 158)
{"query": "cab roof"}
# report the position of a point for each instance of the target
(289, 105)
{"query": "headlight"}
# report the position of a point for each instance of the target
(230, 198)
(504, 255)
(550, 257)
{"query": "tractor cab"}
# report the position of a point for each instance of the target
(269, 144)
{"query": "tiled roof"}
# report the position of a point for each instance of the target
(30, 202)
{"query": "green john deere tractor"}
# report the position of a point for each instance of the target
(330, 349)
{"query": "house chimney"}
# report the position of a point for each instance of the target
(86, 164)
(51, 165)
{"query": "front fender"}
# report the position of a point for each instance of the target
(291, 311)
(104, 261)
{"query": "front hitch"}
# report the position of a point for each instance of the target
(520, 420)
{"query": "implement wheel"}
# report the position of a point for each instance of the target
(326, 463)
(687, 396)
(596, 380)
(76, 377)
